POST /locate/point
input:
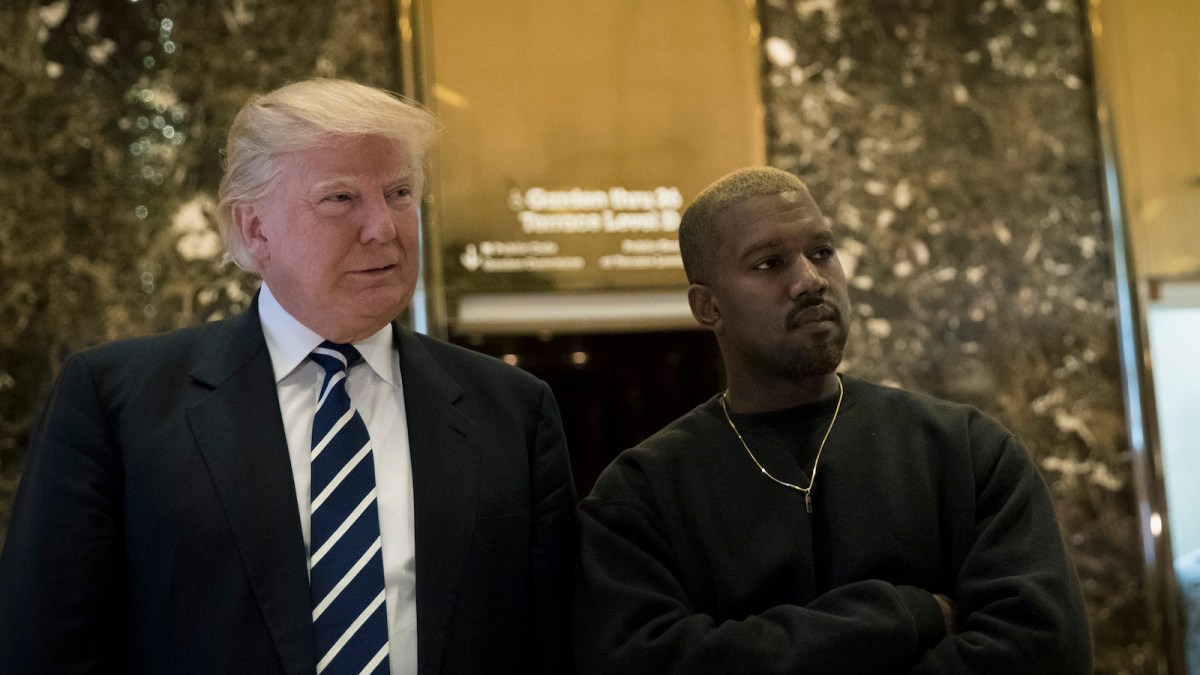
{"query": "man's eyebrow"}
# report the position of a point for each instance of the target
(815, 238)
(335, 182)
(758, 246)
(348, 181)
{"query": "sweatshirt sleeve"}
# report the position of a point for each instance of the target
(1017, 591)
(634, 616)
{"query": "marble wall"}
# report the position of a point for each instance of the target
(955, 146)
(112, 117)
(954, 143)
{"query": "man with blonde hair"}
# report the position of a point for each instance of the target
(309, 486)
(804, 521)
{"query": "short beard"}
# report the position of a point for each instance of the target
(817, 362)
(825, 358)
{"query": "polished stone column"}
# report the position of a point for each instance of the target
(954, 145)
(112, 119)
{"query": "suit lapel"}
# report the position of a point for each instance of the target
(240, 432)
(445, 474)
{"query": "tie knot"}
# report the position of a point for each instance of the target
(334, 357)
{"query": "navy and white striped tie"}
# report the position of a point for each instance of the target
(349, 613)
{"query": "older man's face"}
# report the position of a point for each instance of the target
(336, 239)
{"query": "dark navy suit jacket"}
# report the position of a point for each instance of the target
(155, 529)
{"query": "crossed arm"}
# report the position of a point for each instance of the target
(1015, 605)
(635, 616)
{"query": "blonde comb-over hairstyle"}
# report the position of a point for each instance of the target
(306, 114)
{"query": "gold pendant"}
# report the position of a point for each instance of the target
(808, 502)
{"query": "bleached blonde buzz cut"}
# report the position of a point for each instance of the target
(698, 229)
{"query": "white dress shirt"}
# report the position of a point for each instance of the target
(378, 393)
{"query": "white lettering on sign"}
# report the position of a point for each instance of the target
(517, 256)
(644, 254)
(516, 248)
(567, 263)
(579, 211)
(649, 246)
(631, 200)
(617, 261)
(560, 223)
(537, 199)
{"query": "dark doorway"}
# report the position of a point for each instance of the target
(614, 390)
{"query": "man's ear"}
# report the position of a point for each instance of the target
(249, 226)
(704, 306)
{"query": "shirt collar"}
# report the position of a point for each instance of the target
(290, 342)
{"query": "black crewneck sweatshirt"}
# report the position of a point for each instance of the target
(693, 561)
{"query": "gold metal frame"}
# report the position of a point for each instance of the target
(1166, 623)
(415, 59)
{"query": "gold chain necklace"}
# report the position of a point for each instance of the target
(813, 478)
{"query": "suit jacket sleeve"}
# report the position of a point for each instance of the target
(60, 581)
(553, 547)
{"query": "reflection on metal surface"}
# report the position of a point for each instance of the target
(531, 313)
(1164, 607)
(1173, 321)
(572, 139)
(427, 308)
